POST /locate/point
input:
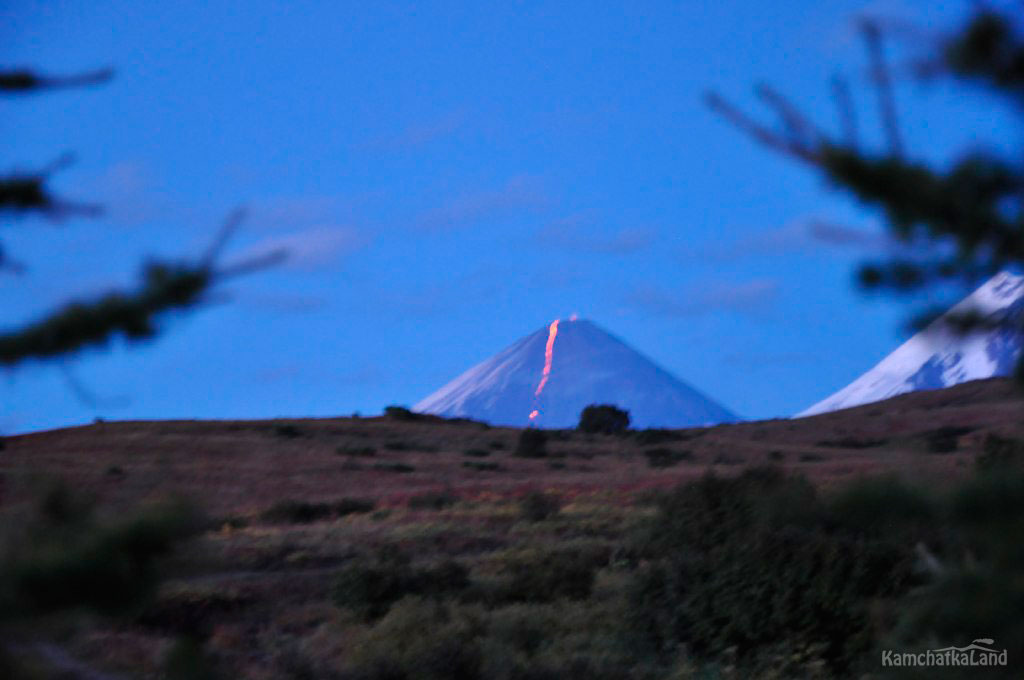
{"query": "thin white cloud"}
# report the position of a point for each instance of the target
(293, 212)
(806, 235)
(579, 233)
(745, 297)
(418, 135)
(309, 249)
(128, 191)
(520, 195)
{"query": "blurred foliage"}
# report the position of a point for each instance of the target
(972, 208)
(65, 557)
(537, 506)
(165, 286)
(60, 558)
(749, 564)
(370, 586)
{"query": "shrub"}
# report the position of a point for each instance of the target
(851, 443)
(351, 506)
(356, 451)
(1000, 453)
(433, 500)
(800, 585)
(532, 444)
(371, 589)
(811, 458)
(295, 512)
(419, 639)
(187, 660)
(662, 457)
(537, 506)
(880, 505)
(497, 445)
(738, 565)
(481, 465)
(654, 435)
(287, 431)
(604, 419)
(192, 611)
(476, 453)
(442, 579)
(956, 606)
(409, 446)
(394, 467)
(400, 413)
(303, 512)
(945, 439)
(403, 413)
(551, 575)
(992, 499)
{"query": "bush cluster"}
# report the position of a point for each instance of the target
(745, 564)
(1000, 453)
(433, 500)
(370, 587)
(394, 467)
(70, 559)
(532, 444)
(481, 465)
(945, 439)
(400, 413)
(546, 576)
(661, 457)
(537, 506)
(604, 419)
(304, 512)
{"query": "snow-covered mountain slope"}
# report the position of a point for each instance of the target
(563, 368)
(937, 357)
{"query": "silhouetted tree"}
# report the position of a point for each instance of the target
(604, 418)
(975, 205)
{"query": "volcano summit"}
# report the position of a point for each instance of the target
(938, 357)
(549, 376)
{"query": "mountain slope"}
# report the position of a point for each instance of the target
(936, 357)
(562, 368)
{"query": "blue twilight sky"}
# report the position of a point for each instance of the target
(449, 177)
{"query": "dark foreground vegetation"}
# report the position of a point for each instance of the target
(757, 574)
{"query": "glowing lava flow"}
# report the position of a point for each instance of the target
(549, 353)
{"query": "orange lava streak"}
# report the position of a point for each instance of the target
(549, 352)
(534, 413)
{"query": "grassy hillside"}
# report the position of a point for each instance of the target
(399, 547)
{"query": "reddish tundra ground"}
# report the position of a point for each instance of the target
(260, 582)
(243, 467)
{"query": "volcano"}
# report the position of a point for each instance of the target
(937, 357)
(549, 376)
